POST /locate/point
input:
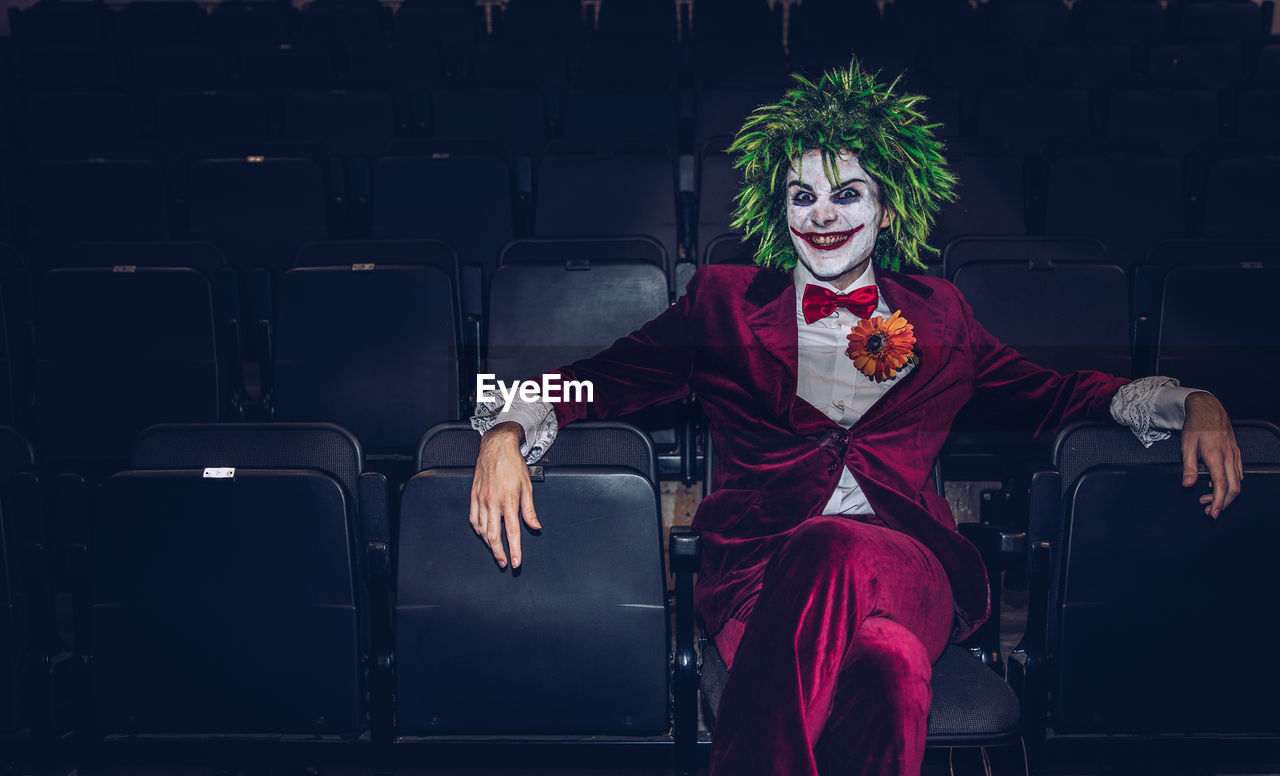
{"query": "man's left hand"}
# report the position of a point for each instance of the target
(1207, 436)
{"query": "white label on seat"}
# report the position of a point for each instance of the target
(125, 268)
(366, 267)
(219, 473)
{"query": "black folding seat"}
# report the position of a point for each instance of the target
(1121, 554)
(1176, 119)
(636, 20)
(1223, 20)
(728, 249)
(71, 125)
(811, 27)
(287, 68)
(1267, 68)
(450, 24)
(738, 64)
(595, 303)
(568, 173)
(178, 69)
(62, 68)
(423, 197)
(967, 66)
(96, 199)
(229, 600)
(27, 631)
(630, 112)
(192, 122)
(392, 67)
(172, 23)
(1030, 21)
(1043, 252)
(572, 250)
(517, 116)
(1198, 65)
(1092, 194)
(1149, 277)
(64, 23)
(631, 65)
(560, 21)
(1236, 364)
(1085, 65)
(373, 347)
(992, 196)
(1026, 118)
(342, 24)
(1137, 21)
(588, 602)
(524, 64)
(929, 21)
(752, 23)
(717, 186)
(345, 123)
(250, 23)
(1238, 199)
(1258, 113)
(257, 210)
(721, 111)
(1026, 303)
(117, 349)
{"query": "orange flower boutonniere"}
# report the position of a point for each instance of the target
(879, 348)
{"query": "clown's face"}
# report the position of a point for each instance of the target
(833, 228)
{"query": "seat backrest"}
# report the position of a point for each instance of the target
(409, 202)
(1024, 307)
(1226, 213)
(1195, 354)
(594, 306)
(1081, 446)
(257, 210)
(324, 446)
(224, 605)
(579, 249)
(117, 351)
(1028, 251)
(1138, 558)
(372, 348)
(578, 444)
(564, 208)
(73, 202)
(577, 637)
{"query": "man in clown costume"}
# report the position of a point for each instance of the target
(832, 573)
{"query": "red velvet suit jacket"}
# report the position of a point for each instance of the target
(732, 340)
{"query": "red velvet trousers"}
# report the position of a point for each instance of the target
(830, 663)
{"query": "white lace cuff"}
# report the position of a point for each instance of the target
(1151, 407)
(538, 419)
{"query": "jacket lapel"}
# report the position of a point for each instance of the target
(905, 293)
(773, 322)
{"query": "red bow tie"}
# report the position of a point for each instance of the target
(819, 302)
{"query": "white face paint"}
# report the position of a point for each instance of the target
(833, 228)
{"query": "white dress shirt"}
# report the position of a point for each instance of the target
(827, 379)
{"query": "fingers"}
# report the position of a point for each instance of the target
(1224, 476)
(526, 508)
(511, 520)
(1189, 470)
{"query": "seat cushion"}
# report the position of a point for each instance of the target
(971, 704)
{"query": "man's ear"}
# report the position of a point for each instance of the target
(886, 217)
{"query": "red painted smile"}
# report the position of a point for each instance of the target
(827, 241)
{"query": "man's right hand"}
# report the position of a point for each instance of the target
(501, 491)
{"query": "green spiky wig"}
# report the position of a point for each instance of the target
(845, 111)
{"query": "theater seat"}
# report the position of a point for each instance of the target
(572, 644)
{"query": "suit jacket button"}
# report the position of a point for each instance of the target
(843, 437)
(831, 469)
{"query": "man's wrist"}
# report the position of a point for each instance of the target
(507, 429)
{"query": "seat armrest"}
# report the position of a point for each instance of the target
(685, 550)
